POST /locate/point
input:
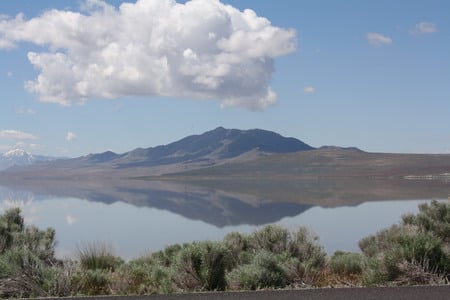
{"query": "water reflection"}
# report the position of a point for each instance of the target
(138, 216)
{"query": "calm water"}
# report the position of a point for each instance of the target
(136, 219)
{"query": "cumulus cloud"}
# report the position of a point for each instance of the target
(309, 90)
(70, 136)
(423, 28)
(202, 49)
(378, 40)
(16, 135)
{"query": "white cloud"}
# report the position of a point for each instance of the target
(20, 145)
(16, 135)
(25, 110)
(423, 28)
(378, 40)
(9, 74)
(71, 136)
(202, 49)
(309, 90)
(71, 219)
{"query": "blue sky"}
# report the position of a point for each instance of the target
(79, 77)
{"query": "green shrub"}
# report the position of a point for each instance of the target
(382, 241)
(272, 238)
(433, 217)
(165, 257)
(265, 271)
(202, 266)
(98, 255)
(415, 252)
(304, 246)
(92, 282)
(21, 274)
(239, 246)
(11, 224)
(58, 279)
(346, 263)
(26, 257)
(298, 252)
(417, 248)
(142, 276)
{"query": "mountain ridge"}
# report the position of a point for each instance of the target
(213, 145)
(232, 154)
(210, 148)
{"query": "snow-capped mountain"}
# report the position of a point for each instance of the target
(19, 157)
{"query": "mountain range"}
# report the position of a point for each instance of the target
(215, 147)
(236, 155)
(209, 148)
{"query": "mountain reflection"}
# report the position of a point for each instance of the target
(228, 202)
(209, 205)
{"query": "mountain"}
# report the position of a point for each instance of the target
(233, 155)
(19, 157)
(211, 148)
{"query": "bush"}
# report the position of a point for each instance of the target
(304, 246)
(26, 257)
(92, 282)
(202, 266)
(415, 252)
(271, 238)
(346, 263)
(98, 255)
(142, 276)
(165, 257)
(433, 217)
(21, 274)
(58, 279)
(239, 246)
(265, 271)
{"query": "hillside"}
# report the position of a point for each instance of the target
(211, 147)
(215, 147)
(326, 163)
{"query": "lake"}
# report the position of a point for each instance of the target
(136, 217)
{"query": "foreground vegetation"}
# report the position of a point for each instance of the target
(416, 251)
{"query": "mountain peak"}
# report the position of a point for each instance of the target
(212, 147)
(20, 157)
(102, 157)
(16, 153)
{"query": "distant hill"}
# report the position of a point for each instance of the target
(211, 148)
(19, 158)
(331, 162)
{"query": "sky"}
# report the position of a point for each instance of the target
(80, 77)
